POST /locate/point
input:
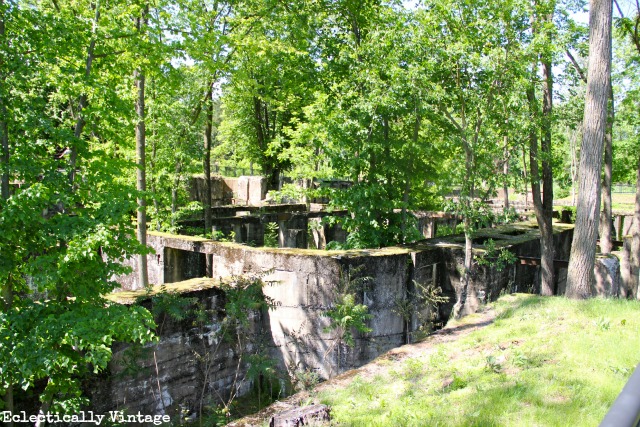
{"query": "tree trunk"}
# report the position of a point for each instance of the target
(505, 171)
(139, 78)
(544, 221)
(82, 102)
(574, 169)
(174, 191)
(606, 243)
(525, 176)
(468, 232)
(635, 242)
(208, 138)
(580, 278)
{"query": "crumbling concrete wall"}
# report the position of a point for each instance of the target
(222, 189)
(245, 190)
(304, 283)
(188, 365)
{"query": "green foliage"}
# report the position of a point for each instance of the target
(304, 379)
(65, 226)
(62, 342)
(271, 235)
(346, 314)
(423, 303)
(494, 257)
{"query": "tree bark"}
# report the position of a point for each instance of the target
(547, 252)
(505, 172)
(544, 220)
(4, 128)
(208, 138)
(139, 78)
(606, 242)
(635, 242)
(580, 278)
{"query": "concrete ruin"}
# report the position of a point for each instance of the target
(303, 282)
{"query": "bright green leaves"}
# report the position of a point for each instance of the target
(346, 316)
(60, 341)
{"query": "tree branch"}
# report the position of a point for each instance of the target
(577, 66)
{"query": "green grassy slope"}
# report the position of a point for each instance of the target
(543, 362)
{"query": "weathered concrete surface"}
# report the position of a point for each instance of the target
(189, 364)
(304, 284)
(222, 189)
(245, 190)
(607, 272)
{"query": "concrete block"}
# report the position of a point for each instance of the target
(607, 272)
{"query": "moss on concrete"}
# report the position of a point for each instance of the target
(191, 285)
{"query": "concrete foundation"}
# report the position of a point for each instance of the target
(304, 283)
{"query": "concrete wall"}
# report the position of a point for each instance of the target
(245, 190)
(189, 362)
(304, 284)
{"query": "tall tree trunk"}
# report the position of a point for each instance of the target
(505, 172)
(606, 243)
(139, 78)
(468, 233)
(174, 191)
(525, 176)
(545, 226)
(580, 278)
(635, 240)
(82, 102)
(208, 137)
(574, 169)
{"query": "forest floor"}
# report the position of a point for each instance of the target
(522, 360)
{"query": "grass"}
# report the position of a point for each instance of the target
(620, 202)
(543, 362)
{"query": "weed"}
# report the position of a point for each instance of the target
(603, 323)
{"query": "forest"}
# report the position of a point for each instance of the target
(108, 107)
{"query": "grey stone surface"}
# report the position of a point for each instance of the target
(607, 272)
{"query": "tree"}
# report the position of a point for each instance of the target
(472, 76)
(580, 278)
(141, 181)
(630, 27)
(274, 76)
(368, 121)
(61, 239)
(543, 203)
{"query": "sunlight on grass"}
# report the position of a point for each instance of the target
(544, 362)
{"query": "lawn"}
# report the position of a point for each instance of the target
(543, 362)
